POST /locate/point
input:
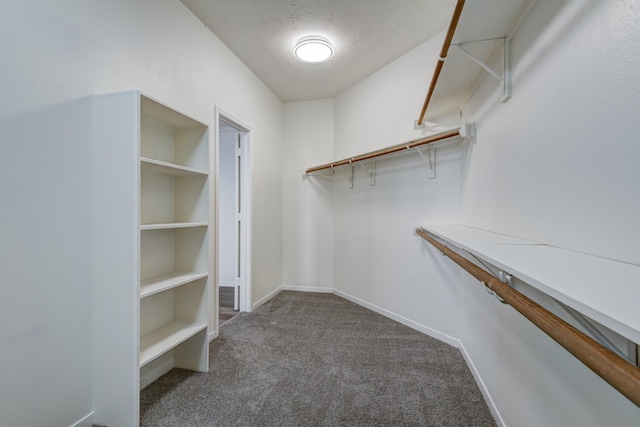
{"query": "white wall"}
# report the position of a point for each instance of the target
(565, 142)
(376, 257)
(307, 209)
(56, 54)
(557, 163)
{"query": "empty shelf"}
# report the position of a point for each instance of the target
(164, 282)
(602, 289)
(166, 168)
(163, 339)
(168, 226)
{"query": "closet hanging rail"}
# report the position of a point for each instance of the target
(443, 55)
(620, 374)
(388, 150)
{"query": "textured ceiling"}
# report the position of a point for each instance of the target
(366, 35)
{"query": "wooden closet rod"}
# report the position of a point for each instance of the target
(443, 55)
(388, 150)
(622, 375)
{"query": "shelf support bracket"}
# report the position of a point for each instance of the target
(348, 176)
(370, 173)
(595, 332)
(505, 78)
(431, 161)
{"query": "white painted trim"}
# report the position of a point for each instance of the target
(227, 284)
(156, 373)
(400, 319)
(308, 289)
(246, 287)
(482, 386)
(87, 421)
(267, 298)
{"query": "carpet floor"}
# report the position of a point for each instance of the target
(306, 359)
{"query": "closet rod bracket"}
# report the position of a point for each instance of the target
(430, 161)
(371, 173)
(348, 176)
(506, 278)
(505, 78)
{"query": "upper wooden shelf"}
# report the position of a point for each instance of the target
(607, 291)
(463, 132)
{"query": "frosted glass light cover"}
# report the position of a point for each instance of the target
(313, 50)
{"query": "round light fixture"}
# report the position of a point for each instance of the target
(313, 49)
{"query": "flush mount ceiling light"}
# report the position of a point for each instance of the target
(313, 49)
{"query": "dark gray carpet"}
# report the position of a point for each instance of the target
(307, 359)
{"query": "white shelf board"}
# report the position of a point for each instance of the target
(480, 20)
(166, 168)
(171, 225)
(163, 339)
(167, 281)
(156, 110)
(604, 290)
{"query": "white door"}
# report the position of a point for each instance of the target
(233, 211)
(239, 223)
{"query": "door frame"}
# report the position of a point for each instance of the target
(245, 238)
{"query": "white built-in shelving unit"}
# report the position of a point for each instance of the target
(152, 249)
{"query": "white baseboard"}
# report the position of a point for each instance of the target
(156, 373)
(483, 388)
(308, 289)
(266, 298)
(85, 422)
(400, 319)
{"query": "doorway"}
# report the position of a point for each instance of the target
(233, 284)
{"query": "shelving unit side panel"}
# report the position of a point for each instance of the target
(193, 354)
(115, 326)
(157, 253)
(156, 368)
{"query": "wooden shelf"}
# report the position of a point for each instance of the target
(173, 225)
(166, 337)
(602, 289)
(172, 169)
(168, 281)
